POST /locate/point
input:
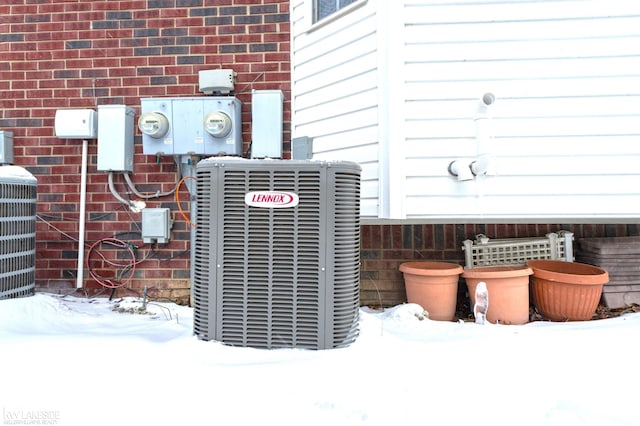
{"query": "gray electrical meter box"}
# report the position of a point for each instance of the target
(205, 125)
(115, 138)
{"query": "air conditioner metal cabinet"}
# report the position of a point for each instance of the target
(18, 190)
(278, 276)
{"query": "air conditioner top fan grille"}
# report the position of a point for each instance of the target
(277, 277)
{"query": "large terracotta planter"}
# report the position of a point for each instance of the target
(434, 286)
(508, 289)
(566, 291)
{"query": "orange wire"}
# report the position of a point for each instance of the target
(184, 215)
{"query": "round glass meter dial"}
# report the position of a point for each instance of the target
(153, 124)
(217, 124)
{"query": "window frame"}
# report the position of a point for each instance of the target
(339, 11)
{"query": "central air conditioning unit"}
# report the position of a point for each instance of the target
(277, 253)
(17, 232)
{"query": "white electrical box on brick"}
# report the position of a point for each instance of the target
(266, 125)
(115, 138)
(76, 124)
(156, 225)
(221, 82)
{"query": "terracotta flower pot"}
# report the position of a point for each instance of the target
(566, 291)
(434, 286)
(508, 289)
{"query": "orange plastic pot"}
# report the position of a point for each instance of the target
(566, 291)
(434, 286)
(508, 288)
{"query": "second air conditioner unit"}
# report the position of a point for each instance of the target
(18, 190)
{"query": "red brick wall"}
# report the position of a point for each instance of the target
(81, 54)
(385, 247)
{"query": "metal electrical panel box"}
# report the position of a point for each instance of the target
(156, 225)
(115, 138)
(266, 125)
(206, 125)
(6, 147)
(302, 148)
(76, 124)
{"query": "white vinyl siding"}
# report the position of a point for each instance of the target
(336, 102)
(565, 124)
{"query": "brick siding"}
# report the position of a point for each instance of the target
(385, 247)
(81, 54)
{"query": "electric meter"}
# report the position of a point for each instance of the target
(217, 124)
(153, 124)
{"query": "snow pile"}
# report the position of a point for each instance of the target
(75, 361)
(15, 173)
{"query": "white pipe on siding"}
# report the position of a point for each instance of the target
(483, 122)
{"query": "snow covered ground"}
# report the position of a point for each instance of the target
(76, 361)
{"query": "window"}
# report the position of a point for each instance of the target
(324, 8)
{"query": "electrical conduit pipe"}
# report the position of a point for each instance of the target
(83, 202)
(135, 206)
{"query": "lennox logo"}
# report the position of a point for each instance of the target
(271, 199)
